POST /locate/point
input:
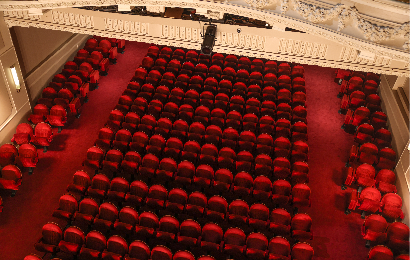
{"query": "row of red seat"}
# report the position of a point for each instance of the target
(136, 194)
(233, 242)
(212, 78)
(88, 214)
(218, 59)
(165, 100)
(234, 119)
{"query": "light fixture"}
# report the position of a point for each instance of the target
(408, 146)
(15, 78)
(209, 39)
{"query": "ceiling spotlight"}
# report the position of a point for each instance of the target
(238, 30)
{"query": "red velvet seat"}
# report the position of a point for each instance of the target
(51, 237)
(57, 117)
(161, 253)
(299, 132)
(222, 180)
(363, 176)
(156, 197)
(262, 188)
(137, 194)
(138, 250)
(380, 252)
(40, 112)
(300, 195)
(11, 178)
(280, 221)
(243, 183)
(189, 233)
(364, 134)
(168, 229)
(256, 246)
(24, 133)
(238, 212)
(217, 208)
(234, 242)
(94, 158)
(43, 135)
(148, 166)
(387, 158)
(177, 199)
(281, 168)
(84, 217)
(300, 172)
(378, 119)
(300, 227)
(385, 181)
(67, 206)
(119, 187)
(368, 201)
(148, 222)
(129, 165)
(28, 156)
(382, 138)
(258, 216)
(95, 243)
(398, 237)
(117, 247)
(73, 240)
(374, 229)
(279, 248)
(281, 190)
(104, 221)
(211, 237)
(390, 206)
(302, 251)
(196, 204)
(127, 219)
(99, 187)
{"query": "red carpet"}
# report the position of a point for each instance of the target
(335, 235)
(24, 215)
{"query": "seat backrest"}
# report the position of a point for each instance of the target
(52, 234)
(117, 245)
(95, 240)
(139, 249)
(257, 241)
(212, 233)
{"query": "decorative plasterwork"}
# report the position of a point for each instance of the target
(252, 45)
(370, 30)
(351, 55)
(259, 3)
(302, 48)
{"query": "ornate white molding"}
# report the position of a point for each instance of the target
(138, 28)
(302, 48)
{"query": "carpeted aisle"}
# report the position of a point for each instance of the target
(24, 215)
(336, 235)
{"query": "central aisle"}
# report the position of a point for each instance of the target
(24, 215)
(335, 235)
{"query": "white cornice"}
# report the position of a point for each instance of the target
(313, 18)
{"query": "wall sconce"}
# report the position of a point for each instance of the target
(15, 78)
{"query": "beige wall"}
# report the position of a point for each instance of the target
(400, 131)
(15, 106)
(44, 58)
(34, 45)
